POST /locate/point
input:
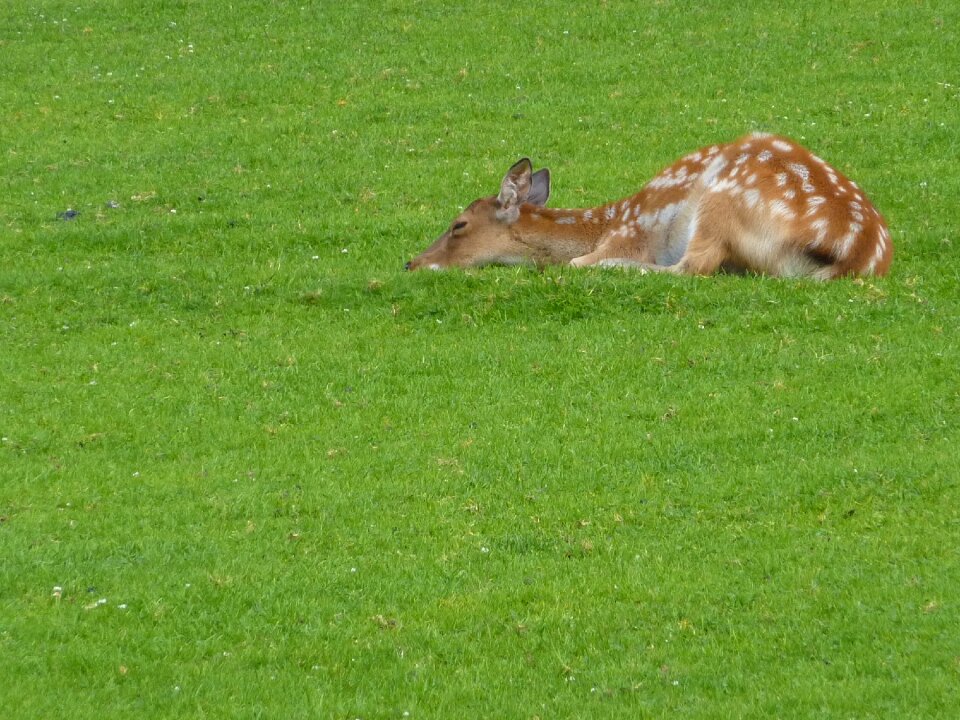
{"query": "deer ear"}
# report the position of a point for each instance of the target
(514, 190)
(539, 188)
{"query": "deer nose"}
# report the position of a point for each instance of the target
(407, 266)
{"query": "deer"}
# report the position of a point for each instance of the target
(761, 204)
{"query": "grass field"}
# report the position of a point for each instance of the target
(251, 468)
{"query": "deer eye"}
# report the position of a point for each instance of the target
(458, 226)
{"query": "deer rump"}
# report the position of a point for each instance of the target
(761, 204)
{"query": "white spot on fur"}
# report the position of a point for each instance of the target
(846, 243)
(779, 207)
(662, 216)
(752, 197)
(709, 178)
(724, 186)
(820, 227)
(588, 215)
(566, 220)
(802, 172)
(669, 179)
(610, 212)
(813, 204)
(880, 251)
(764, 155)
(782, 145)
(790, 194)
(781, 179)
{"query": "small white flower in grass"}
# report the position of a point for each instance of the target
(484, 549)
(57, 592)
(122, 606)
(344, 251)
(315, 257)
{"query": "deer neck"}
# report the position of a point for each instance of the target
(559, 235)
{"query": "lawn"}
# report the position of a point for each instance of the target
(249, 467)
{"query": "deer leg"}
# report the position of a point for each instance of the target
(603, 260)
(618, 249)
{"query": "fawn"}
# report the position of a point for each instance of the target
(761, 204)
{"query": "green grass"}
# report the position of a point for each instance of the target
(273, 475)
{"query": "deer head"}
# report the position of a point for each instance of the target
(485, 233)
